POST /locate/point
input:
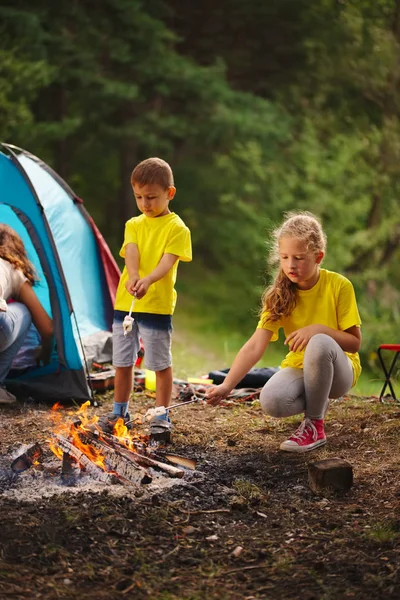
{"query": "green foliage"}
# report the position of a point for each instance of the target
(259, 107)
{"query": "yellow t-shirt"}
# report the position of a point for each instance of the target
(155, 237)
(331, 302)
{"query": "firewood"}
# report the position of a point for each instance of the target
(93, 469)
(70, 469)
(189, 463)
(145, 461)
(120, 462)
(331, 473)
(141, 459)
(25, 460)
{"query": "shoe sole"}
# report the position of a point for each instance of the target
(300, 449)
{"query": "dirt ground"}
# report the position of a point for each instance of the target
(245, 525)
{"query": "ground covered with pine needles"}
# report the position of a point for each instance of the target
(245, 525)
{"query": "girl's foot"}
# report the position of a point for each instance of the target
(309, 435)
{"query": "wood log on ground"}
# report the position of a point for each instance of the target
(331, 473)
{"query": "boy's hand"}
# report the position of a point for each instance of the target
(141, 287)
(131, 283)
(217, 393)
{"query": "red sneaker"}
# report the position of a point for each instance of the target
(308, 436)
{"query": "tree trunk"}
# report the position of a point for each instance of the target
(126, 201)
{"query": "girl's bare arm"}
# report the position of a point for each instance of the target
(40, 318)
(246, 358)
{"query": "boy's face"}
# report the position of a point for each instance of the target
(153, 200)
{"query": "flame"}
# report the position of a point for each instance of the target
(55, 449)
(71, 431)
(90, 451)
(81, 423)
(120, 429)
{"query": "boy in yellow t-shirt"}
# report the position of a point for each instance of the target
(154, 243)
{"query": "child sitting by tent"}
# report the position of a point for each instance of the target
(16, 280)
(154, 243)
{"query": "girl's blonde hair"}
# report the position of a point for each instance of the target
(279, 299)
(12, 250)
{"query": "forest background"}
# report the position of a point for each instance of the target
(260, 106)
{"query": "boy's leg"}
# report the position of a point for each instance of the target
(125, 349)
(123, 385)
(156, 338)
(164, 382)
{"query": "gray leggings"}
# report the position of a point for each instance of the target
(327, 373)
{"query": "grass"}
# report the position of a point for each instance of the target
(199, 348)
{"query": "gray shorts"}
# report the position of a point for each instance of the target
(157, 346)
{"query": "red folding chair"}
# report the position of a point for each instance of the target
(388, 372)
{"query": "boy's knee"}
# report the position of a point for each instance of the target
(122, 370)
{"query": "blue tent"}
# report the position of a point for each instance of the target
(77, 277)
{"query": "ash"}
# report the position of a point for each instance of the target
(44, 481)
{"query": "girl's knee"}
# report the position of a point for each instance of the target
(319, 345)
(270, 405)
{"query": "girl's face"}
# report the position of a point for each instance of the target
(300, 265)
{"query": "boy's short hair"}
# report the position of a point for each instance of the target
(153, 170)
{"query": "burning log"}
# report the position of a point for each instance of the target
(143, 460)
(140, 448)
(119, 461)
(83, 460)
(26, 460)
(70, 469)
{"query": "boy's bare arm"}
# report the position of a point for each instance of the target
(165, 265)
(132, 259)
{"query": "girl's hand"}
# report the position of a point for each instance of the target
(298, 340)
(43, 352)
(217, 393)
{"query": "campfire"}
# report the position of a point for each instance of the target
(124, 457)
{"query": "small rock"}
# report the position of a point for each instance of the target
(237, 551)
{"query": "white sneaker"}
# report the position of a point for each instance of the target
(6, 397)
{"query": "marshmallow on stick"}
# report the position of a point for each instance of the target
(159, 411)
(128, 321)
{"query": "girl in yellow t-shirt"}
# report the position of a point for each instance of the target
(318, 312)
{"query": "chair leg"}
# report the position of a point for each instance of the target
(388, 375)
